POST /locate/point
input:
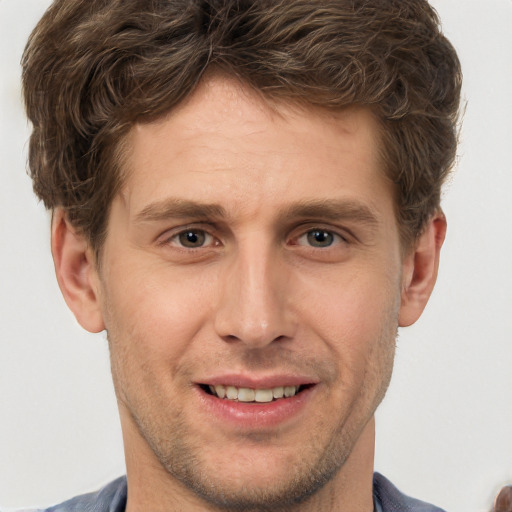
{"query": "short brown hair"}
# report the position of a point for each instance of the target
(94, 68)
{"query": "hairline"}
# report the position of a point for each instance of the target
(120, 150)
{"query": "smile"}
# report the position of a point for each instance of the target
(253, 406)
(242, 394)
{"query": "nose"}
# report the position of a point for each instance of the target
(255, 306)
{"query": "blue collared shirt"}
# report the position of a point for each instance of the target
(112, 498)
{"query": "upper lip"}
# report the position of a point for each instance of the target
(258, 382)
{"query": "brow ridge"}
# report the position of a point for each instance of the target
(327, 209)
(179, 208)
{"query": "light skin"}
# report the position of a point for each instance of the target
(251, 246)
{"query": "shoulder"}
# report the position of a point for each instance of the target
(111, 498)
(391, 499)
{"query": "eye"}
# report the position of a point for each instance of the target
(192, 239)
(319, 238)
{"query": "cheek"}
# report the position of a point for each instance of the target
(355, 315)
(154, 315)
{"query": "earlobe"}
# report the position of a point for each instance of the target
(420, 270)
(76, 273)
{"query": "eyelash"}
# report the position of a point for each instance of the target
(333, 238)
(336, 238)
(172, 238)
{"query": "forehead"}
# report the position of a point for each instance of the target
(226, 143)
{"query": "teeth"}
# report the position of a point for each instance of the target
(289, 391)
(232, 392)
(246, 395)
(254, 395)
(263, 395)
(278, 392)
(220, 391)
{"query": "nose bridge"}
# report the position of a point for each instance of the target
(253, 306)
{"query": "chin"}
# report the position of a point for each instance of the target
(250, 493)
(259, 477)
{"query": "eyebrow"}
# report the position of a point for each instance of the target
(327, 209)
(179, 208)
(334, 210)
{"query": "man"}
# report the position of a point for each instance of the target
(245, 196)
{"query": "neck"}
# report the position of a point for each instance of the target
(151, 487)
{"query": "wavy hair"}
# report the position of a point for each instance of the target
(94, 68)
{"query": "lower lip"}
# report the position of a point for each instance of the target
(255, 415)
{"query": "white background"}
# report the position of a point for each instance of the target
(445, 428)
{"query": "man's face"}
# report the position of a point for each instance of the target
(254, 252)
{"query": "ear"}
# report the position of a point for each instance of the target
(75, 267)
(420, 270)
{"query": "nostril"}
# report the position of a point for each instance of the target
(230, 338)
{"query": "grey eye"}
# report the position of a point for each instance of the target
(320, 238)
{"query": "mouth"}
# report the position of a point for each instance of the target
(255, 404)
(254, 395)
